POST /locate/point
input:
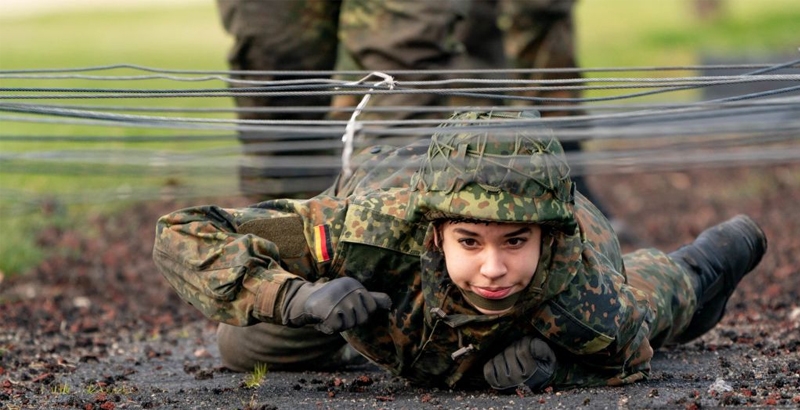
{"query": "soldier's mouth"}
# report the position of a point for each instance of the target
(492, 292)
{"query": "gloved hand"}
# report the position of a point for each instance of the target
(529, 361)
(334, 306)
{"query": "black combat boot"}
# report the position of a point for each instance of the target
(718, 259)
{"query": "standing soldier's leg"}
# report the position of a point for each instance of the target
(540, 34)
(481, 49)
(281, 35)
(387, 35)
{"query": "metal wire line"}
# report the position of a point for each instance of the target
(344, 84)
(143, 162)
(226, 93)
(408, 108)
(630, 130)
(640, 126)
(158, 121)
(400, 72)
(700, 110)
(27, 202)
(122, 138)
(652, 122)
(322, 82)
(195, 166)
(753, 129)
(345, 88)
(740, 118)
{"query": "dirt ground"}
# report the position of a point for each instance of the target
(96, 327)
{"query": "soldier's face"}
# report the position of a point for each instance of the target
(491, 260)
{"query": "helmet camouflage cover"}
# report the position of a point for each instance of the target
(513, 170)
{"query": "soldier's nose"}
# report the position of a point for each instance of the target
(493, 265)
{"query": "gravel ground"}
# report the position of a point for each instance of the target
(96, 327)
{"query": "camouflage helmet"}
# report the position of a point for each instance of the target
(512, 170)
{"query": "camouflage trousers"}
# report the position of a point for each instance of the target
(522, 34)
(657, 281)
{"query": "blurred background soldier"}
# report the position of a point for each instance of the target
(386, 35)
(301, 35)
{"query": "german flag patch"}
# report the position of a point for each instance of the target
(322, 243)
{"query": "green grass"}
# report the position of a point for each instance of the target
(626, 33)
(60, 389)
(184, 37)
(256, 376)
(620, 33)
(170, 38)
(611, 33)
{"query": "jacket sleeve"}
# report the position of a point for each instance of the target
(587, 371)
(600, 323)
(231, 277)
(600, 326)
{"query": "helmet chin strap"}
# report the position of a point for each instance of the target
(495, 305)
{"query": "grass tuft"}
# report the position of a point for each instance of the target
(255, 377)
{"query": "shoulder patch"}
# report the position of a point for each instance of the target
(285, 232)
(323, 250)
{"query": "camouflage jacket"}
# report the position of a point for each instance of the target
(375, 227)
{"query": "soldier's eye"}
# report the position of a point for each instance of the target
(516, 242)
(468, 242)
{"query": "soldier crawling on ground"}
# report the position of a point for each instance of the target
(464, 261)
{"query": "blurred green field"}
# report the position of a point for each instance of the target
(611, 33)
(185, 37)
(620, 33)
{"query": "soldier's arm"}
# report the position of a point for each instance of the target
(601, 328)
(230, 276)
(624, 360)
(614, 366)
(622, 353)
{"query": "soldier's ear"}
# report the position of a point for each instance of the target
(437, 236)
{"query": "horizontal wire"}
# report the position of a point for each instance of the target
(194, 165)
(349, 89)
(408, 108)
(790, 104)
(317, 83)
(447, 92)
(758, 128)
(693, 136)
(404, 72)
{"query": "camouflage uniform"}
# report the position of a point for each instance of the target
(303, 35)
(602, 312)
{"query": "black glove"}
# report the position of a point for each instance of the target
(529, 361)
(334, 306)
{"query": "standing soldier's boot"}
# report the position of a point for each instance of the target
(717, 260)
